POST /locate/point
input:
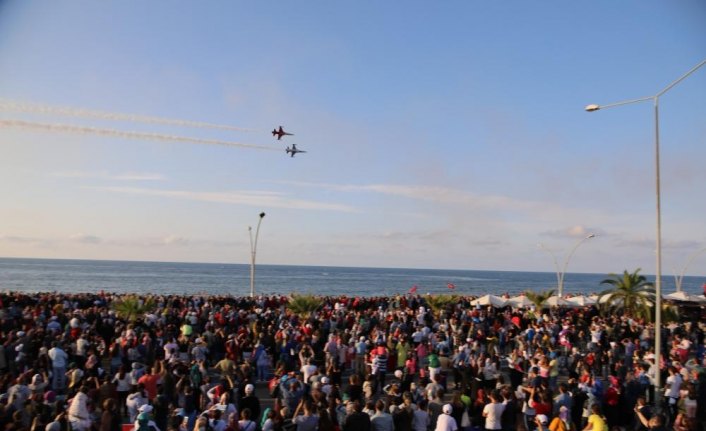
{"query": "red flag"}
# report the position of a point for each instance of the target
(413, 289)
(451, 286)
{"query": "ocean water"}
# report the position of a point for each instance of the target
(53, 275)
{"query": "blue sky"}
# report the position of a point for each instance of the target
(439, 135)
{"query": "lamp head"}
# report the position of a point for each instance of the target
(262, 214)
(592, 107)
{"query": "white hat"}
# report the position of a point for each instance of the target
(447, 409)
(249, 388)
(324, 380)
(197, 341)
(145, 408)
(21, 333)
(543, 419)
(398, 374)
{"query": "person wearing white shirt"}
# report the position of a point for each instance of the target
(446, 422)
(171, 348)
(493, 411)
(308, 370)
(59, 360)
(671, 390)
(79, 417)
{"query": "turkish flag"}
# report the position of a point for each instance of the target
(451, 286)
(413, 289)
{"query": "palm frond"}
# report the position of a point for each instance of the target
(539, 298)
(304, 305)
(439, 303)
(130, 307)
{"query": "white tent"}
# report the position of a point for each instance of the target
(582, 301)
(604, 299)
(558, 301)
(520, 301)
(685, 297)
(493, 300)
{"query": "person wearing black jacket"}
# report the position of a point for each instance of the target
(356, 420)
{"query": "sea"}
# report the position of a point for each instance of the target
(59, 275)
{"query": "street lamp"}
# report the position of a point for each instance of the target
(560, 273)
(253, 252)
(679, 278)
(658, 275)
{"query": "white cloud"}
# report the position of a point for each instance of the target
(250, 198)
(103, 175)
(577, 231)
(86, 239)
(19, 239)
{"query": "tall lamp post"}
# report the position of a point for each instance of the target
(658, 275)
(253, 252)
(561, 272)
(679, 278)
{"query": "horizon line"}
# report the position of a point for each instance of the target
(317, 266)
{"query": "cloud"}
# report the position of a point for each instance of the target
(577, 231)
(20, 239)
(250, 198)
(685, 245)
(127, 176)
(175, 240)
(448, 196)
(86, 239)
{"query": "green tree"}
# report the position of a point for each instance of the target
(630, 293)
(304, 305)
(130, 307)
(439, 303)
(538, 298)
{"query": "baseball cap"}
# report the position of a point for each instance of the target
(448, 409)
(543, 419)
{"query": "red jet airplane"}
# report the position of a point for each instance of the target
(279, 133)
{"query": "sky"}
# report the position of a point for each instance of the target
(445, 135)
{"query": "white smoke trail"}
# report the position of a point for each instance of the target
(36, 108)
(83, 130)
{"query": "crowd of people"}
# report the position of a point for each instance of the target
(71, 362)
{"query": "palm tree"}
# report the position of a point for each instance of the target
(538, 298)
(130, 307)
(631, 293)
(304, 305)
(439, 303)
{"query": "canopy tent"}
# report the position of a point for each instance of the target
(520, 301)
(685, 297)
(582, 301)
(557, 301)
(493, 300)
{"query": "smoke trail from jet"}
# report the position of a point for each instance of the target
(83, 130)
(36, 108)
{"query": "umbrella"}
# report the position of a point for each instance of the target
(582, 301)
(493, 300)
(520, 301)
